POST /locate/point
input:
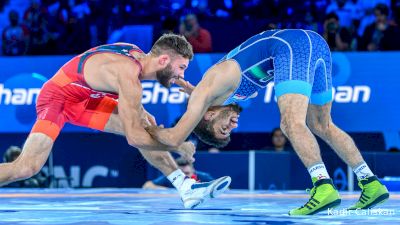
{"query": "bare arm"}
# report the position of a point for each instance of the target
(131, 110)
(216, 82)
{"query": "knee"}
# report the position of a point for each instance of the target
(318, 128)
(26, 171)
(289, 126)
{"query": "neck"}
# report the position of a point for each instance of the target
(149, 67)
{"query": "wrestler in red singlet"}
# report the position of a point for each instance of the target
(66, 97)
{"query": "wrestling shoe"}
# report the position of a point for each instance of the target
(373, 193)
(323, 196)
(193, 193)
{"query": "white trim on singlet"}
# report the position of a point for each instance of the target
(326, 76)
(271, 37)
(315, 67)
(279, 31)
(330, 55)
(81, 86)
(250, 67)
(101, 92)
(309, 58)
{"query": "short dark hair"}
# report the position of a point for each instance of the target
(172, 43)
(382, 8)
(205, 132)
(332, 15)
(205, 129)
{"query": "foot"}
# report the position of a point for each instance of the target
(373, 193)
(194, 194)
(323, 196)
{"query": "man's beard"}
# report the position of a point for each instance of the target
(164, 76)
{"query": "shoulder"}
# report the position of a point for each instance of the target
(228, 72)
(126, 64)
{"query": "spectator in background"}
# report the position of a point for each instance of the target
(168, 26)
(367, 17)
(346, 10)
(338, 38)
(310, 23)
(40, 180)
(15, 36)
(197, 36)
(162, 182)
(279, 141)
(36, 18)
(394, 150)
(381, 35)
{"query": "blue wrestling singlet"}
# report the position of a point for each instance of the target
(298, 61)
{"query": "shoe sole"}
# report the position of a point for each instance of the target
(323, 208)
(220, 186)
(333, 204)
(377, 201)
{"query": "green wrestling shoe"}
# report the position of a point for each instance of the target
(373, 193)
(323, 196)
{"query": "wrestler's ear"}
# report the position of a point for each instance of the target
(209, 115)
(164, 59)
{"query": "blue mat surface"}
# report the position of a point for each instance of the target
(136, 206)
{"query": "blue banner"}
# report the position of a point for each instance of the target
(365, 100)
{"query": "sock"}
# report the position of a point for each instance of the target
(318, 171)
(362, 171)
(176, 178)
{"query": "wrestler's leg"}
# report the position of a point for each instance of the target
(191, 196)
(293, 109)
(34, 154)
(162, 160)
(320, 122)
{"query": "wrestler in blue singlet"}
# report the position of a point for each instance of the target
(298, 61)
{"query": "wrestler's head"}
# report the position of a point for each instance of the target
(217, 124)
(173, 53)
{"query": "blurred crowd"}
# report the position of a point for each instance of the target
(71, 26)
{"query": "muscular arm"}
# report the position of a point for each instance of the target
(131, 110)
(216, 82)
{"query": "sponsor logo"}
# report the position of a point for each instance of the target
(154, 93)
(316, 168)
(79, 178)
(18, 96)
(359, 169)
(341, 94)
